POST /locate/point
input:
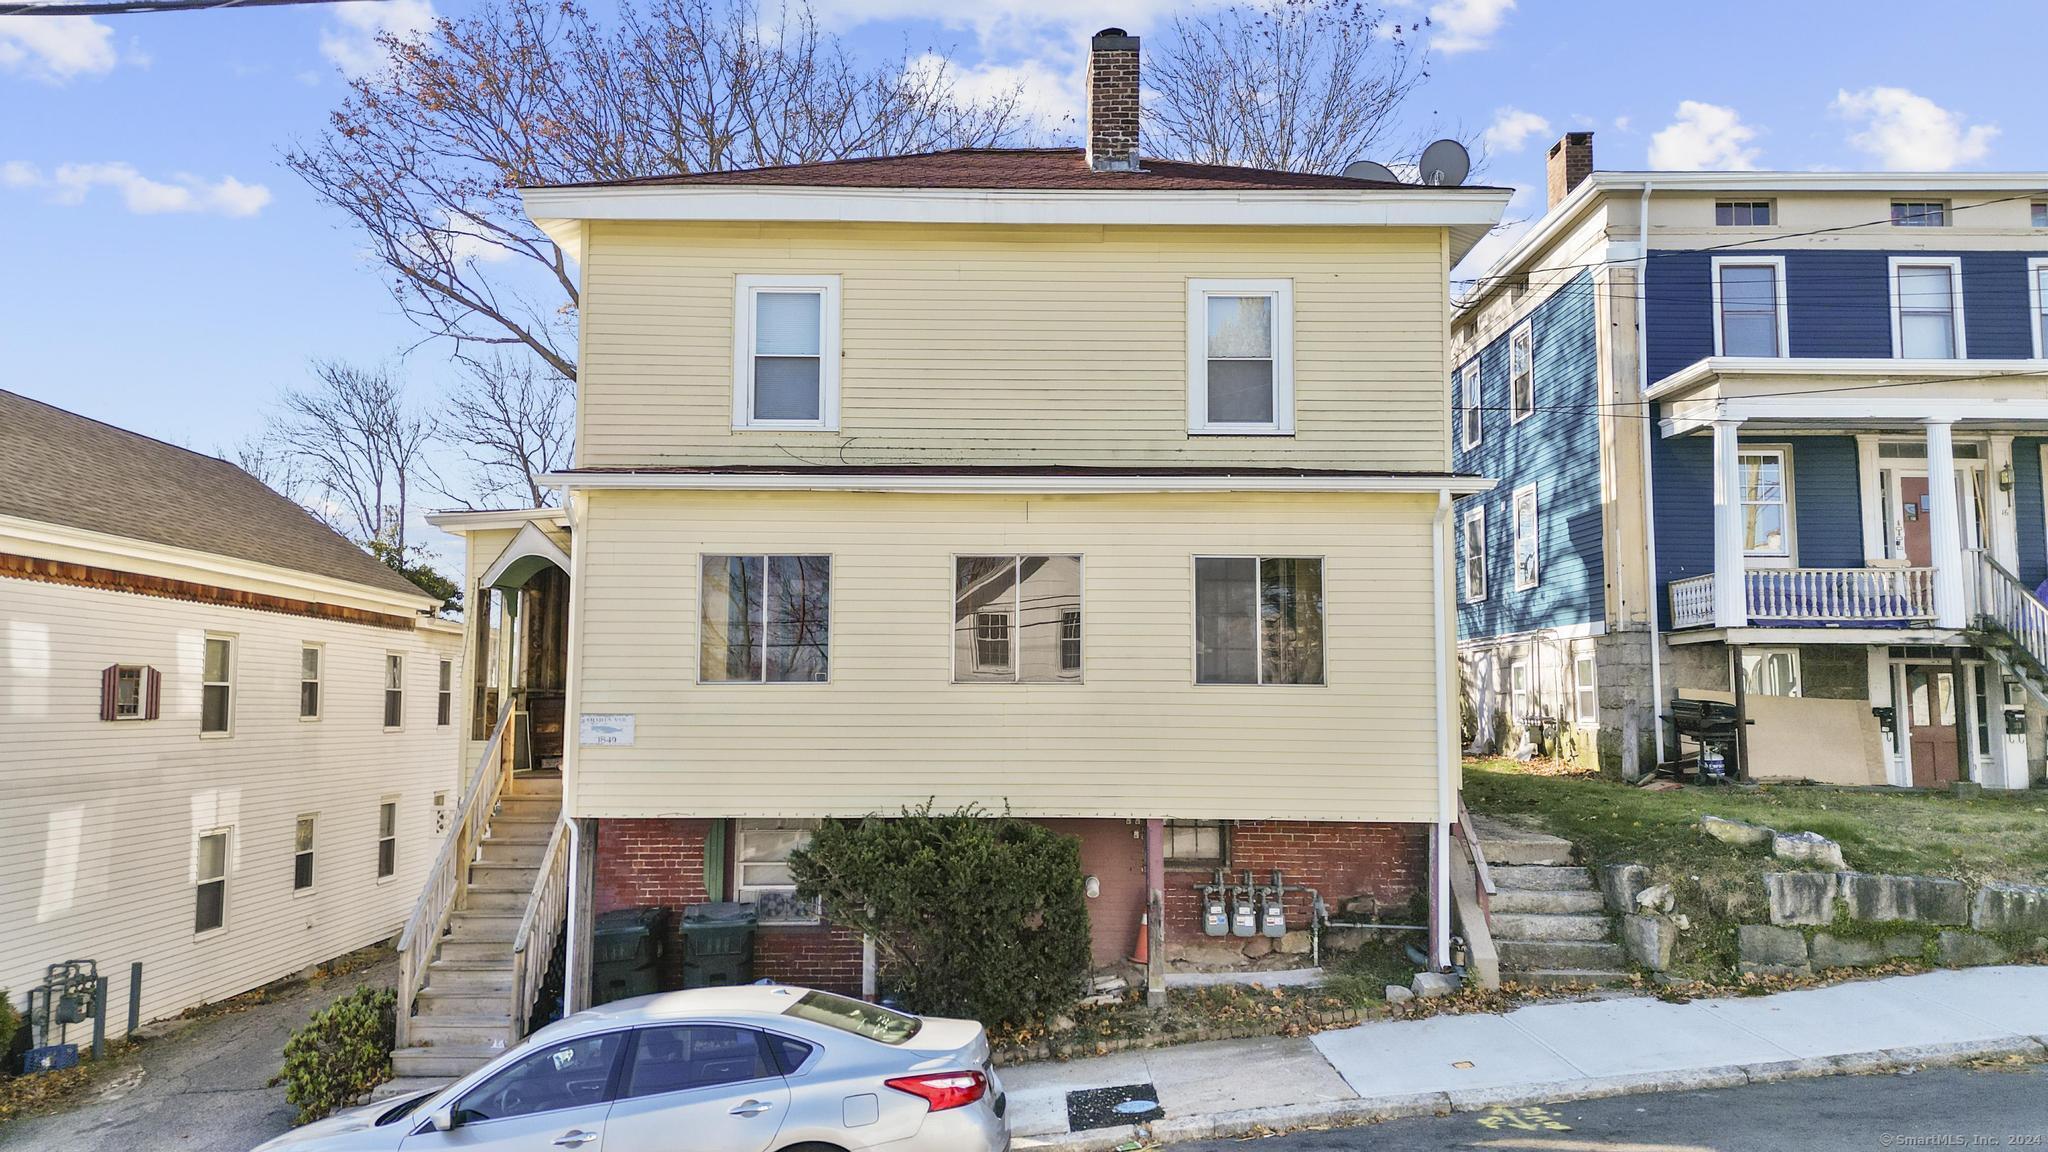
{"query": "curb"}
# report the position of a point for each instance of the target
(1375, 1109)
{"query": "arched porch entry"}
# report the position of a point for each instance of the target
(522, 651)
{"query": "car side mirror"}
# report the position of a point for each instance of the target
(441, 1119)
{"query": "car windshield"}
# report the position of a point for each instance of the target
(403, 1110)
(862, 1019)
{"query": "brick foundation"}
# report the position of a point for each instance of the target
(1360, 870)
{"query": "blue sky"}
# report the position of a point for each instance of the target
(167, 274)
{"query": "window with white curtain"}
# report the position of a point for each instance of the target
(1927, 309)
(786, 352)
(1241, 356)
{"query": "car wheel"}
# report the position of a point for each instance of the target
(814, 1148)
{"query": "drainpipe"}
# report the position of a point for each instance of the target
(575, 993)
(1655, 604)
(1440, 875)
(571, 950)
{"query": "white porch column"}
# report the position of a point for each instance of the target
(1944, 528)
(1731, 582)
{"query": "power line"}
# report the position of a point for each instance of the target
(129, 7)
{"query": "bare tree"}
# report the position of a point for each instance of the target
(427, 156)
(514, 421)
(1298, 85)
(356, 447)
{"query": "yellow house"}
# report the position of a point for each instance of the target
(1111, 491)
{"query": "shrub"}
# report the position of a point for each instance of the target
(10, 1021)
(972, 914)
(341, 1053)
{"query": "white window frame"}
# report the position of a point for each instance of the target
(829, 350)
(382, 838)
(1282, 294)
(227, 858)
(384, 699)
(1258, 618)
(1471, 391)
(1535, 538)
(1762, 651)
(141, 672)
(1784, 454)
(444, 694)
(746, 893)
(1584, 662)
(1524, 336)
(2037, 270)
(318, 680)
(1475, 556)
(1947, 209)
(310, 852)
(1777, 266)
(231, 641)
(1519, 700)
(1954, 264)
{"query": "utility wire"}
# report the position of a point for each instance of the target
(129, 7)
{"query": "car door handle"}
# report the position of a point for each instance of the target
(575, 1139)
(752, 1108)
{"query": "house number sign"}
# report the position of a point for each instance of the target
(605, 730)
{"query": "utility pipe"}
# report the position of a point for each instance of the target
(1440, 880)
(1649, 498)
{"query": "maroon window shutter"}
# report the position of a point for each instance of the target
(152, 692)
(110, 678)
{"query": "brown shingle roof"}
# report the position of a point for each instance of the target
(58, 467)
(1005, 168)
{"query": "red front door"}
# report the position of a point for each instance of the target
(1919, 533)
(1931, 714)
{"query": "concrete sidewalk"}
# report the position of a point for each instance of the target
(1543, 1053)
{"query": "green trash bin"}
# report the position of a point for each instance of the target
(625, 956)
(718, 944)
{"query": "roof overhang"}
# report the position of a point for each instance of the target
(484, 521)
(1842, 393)
(1468, 213)
(529, 552)
(968, 484)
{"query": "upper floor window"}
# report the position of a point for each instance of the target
(1766, 503)
(129, 692)
(1743, 214)
(1927, 308)
(444, 695)
(210, 882)
(309, 682)
(1920, 213)
(1475, 553)
(302, 854)
(2041, 215)
(1241, 357)
(1749, 306)
(765, 619)
(387, 838)
(1258, 620)
(786, 353)
(217, 687)
(1522, 371)
(394, 690)
(1016, 619)
(1469, 393)
(1528, 549)
(2037, 288)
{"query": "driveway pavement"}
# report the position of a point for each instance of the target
(200, 1084)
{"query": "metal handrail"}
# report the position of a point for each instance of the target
(547, 908)
(448, 879)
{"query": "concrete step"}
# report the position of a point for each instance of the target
(462, 1031)
(1531, 955)
(1546, 926)
(442, 1061)
(407, 1085)
(466, 1002)
(1511, 844)
(1541, 876)
(1538, 900)
(527, 853)
(466, 949)
(1558, 977)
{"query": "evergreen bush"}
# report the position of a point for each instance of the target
(341, 1053)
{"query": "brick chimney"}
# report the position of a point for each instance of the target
(1571, 161)
(1113, 101)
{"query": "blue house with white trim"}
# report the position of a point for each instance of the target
(1770, 439)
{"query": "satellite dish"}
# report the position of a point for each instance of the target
(1368, 170)
(1445, 164)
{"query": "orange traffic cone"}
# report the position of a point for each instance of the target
(1142, 956)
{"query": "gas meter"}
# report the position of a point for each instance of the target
(1273, 916)
(1244, 917)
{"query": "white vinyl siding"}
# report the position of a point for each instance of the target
(1241, 356)
(786, 353)
(1927, 308)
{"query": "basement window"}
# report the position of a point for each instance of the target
(761, 852)
(1197, 844)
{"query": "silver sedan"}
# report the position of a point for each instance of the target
(758, 1068)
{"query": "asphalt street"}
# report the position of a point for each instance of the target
(1933, 1108)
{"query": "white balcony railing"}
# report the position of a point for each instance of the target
(1819, 596)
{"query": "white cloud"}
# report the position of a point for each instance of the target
(1511, 129)
(70, 184)
(1909, 132)
(1466, 25)
(56, 48)
(350, 38)
(1621, 123)
(1048, 91)
(1705, 137)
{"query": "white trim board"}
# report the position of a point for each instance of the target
(1010, 485)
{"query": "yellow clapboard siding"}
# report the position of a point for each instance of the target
(1012, 345)
(1136, 738)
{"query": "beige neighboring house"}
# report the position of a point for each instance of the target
(228, 733)
(1109, 490)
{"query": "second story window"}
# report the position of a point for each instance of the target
(1749, 307)
(217, 688)
(1920, 213)
(2037, 288)
(1469, 395)
(2040, 215)
(1475, 554)
(129, 692)
(1743, 214)
(1241, 357)
(394, 690)
(444, 695)
(786, 353)
(1522, 372)
(309, 682)
(765, 619)
(1016, 619)
(1258, 620)
(1766, 511)
(302, 855)
(1927, 309)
